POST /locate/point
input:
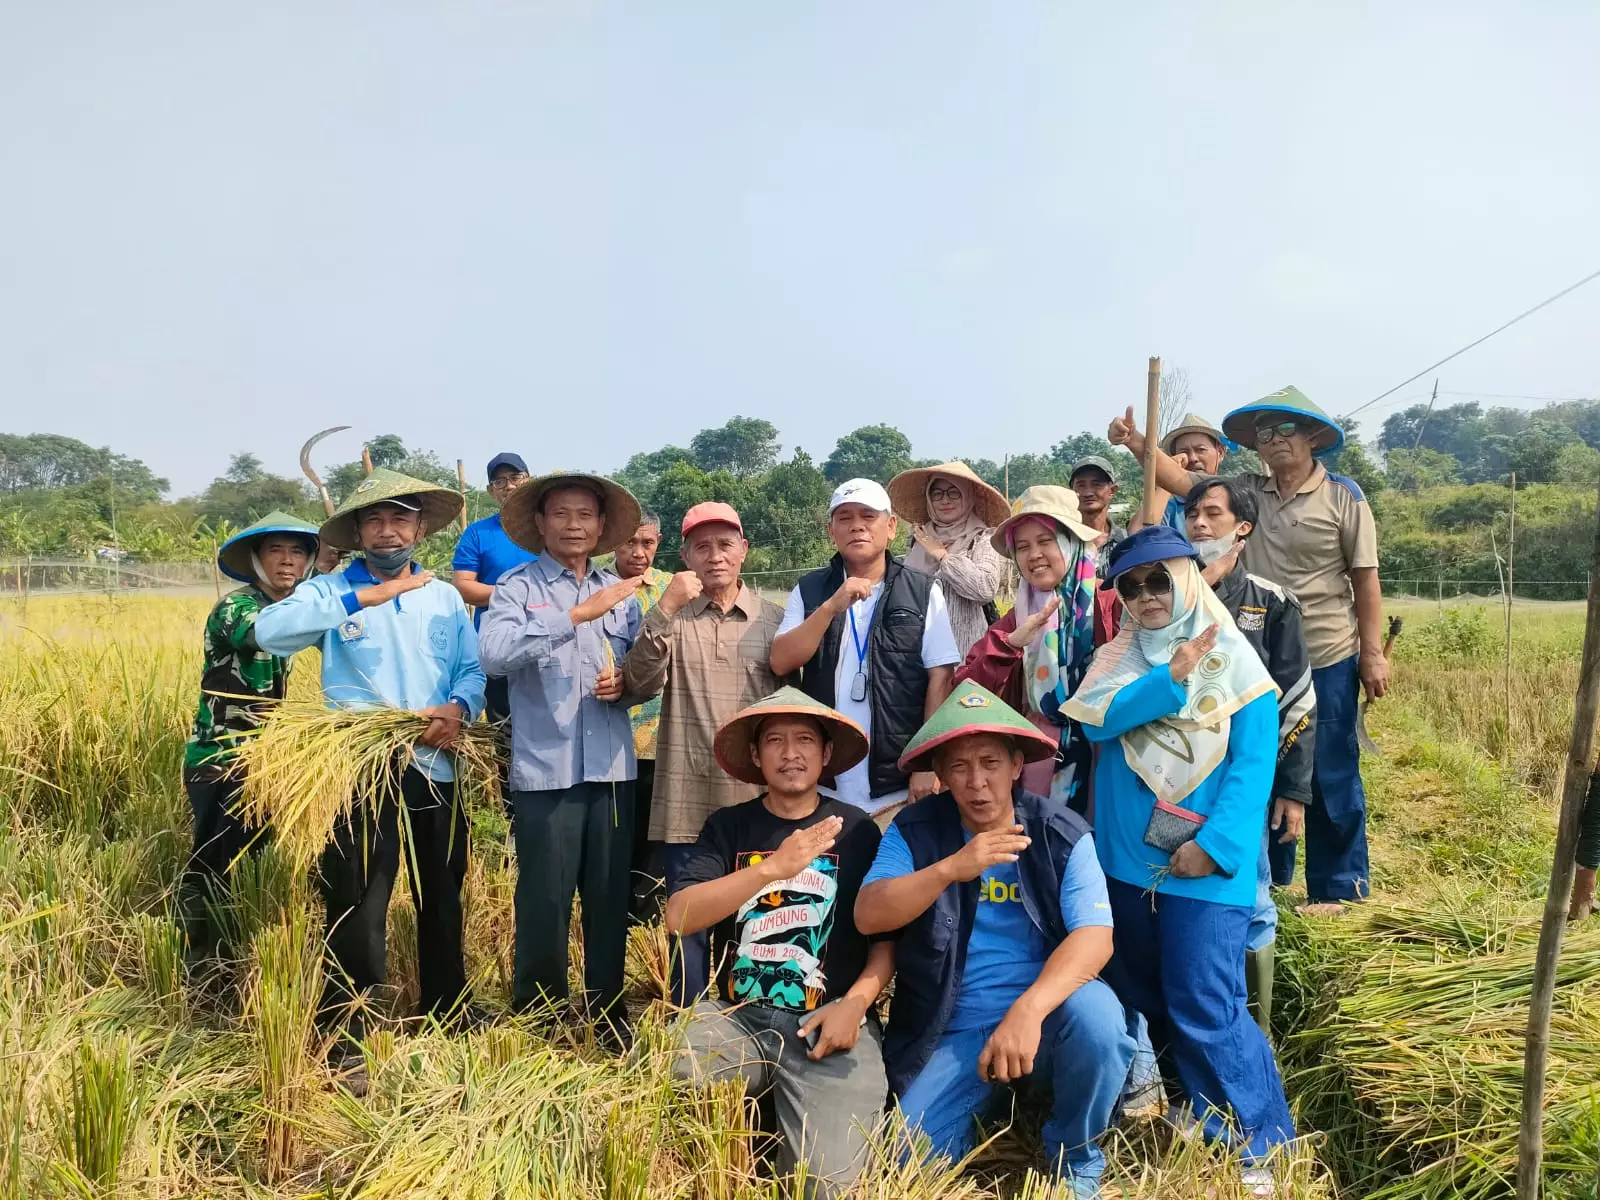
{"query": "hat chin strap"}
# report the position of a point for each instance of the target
(261, 571)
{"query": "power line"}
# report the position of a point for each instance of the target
(1590, 278)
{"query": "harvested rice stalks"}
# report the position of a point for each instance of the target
(308, 765)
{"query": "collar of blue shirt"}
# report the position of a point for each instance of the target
(552, 570)
(360, 574)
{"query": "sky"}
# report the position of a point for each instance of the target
(585, 229)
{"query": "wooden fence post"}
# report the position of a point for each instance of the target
(1574, 790)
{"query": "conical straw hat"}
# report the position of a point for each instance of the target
(233, 556)
(438, 505)
(974, 709)
(622, 511)
(908, 492)
(738, 734)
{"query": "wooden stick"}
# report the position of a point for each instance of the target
(366, 459)
(1511, 594)
(1574, 790)
(461, 480)
(1152, 408)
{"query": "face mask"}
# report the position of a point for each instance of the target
(389, 562)
(1215, 548)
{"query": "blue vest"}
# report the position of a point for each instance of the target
(931, 952)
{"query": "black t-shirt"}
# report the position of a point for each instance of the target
(794, 946)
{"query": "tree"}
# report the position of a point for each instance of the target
(245, 493)
(1413, 470)
(1578, 463)
(642, 471)
(49, 460)
(872, 452)
(387, 450)
(1175, 399)
(1082, 445)
(744, 446)
(243, 468)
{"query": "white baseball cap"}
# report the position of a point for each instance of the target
(865, 492)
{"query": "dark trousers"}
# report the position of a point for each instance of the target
(358, 873)
(568, 840)
(1336, 818)
(691, 953)
(497, 711)
(1180, 962)
(646, 869)
(220, 837)
(1589, 830)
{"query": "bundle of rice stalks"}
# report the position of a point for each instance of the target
(1423, 1047)
(308, 766)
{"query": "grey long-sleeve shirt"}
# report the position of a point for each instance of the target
(560, 734)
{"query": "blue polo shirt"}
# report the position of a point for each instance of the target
(1175, 516)
(488, 552)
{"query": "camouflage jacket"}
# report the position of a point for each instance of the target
(234, 667)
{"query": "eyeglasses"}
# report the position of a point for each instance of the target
(1156, 584)
(947, 494)
(1267, 434)
(506, 482)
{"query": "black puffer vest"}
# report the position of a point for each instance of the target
(896, 681)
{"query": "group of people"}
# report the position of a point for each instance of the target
(1054, 830)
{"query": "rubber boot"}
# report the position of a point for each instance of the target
(1582, 895)
(1258, 985)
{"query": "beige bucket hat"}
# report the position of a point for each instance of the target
(908, 492)
(1191, 424)
(622, 510)
(1060, 504)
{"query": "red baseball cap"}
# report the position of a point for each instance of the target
(708, 513)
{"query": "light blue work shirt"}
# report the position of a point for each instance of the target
(1233, 798)
(560, 734)
(415, 652)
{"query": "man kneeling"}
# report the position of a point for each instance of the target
(1004, 927)
(776, 878)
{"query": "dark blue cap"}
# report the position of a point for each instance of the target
(507, 459)
(1153, 543)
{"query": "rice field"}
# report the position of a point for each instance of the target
(119, 1078)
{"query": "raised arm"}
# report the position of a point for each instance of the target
(1232, 832)
(1170, 476)
(302, 617)
(701, 905)
(1152, 696)
(895, 895)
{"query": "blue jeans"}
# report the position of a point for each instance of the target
(1083, 1057)
(691, 954)
(1264, 920)
(1180, 962)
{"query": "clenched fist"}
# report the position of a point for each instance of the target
(684, 588)
(850, 591)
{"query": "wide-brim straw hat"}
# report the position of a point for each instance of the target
(622, 511)
(971, 709)
(908, 493)
(1059, 504)
(1240, 424)
(1190, 424)
(738, 734)
(233, 556)
(436, 505)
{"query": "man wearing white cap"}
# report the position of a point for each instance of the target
(872, 639)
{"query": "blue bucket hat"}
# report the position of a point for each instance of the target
(1240, 425)
(1152, 544)
(233, 556)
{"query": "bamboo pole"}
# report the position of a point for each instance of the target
(1152, 409)
(1511, 596)
(461, 481)
(1574, 790)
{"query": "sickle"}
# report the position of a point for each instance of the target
(1363, 738)
(305, 465)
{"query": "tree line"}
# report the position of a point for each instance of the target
(1436, 476)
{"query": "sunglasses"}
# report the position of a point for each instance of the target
(1156, 584)
(1266, 434)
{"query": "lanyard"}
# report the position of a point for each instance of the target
(861, 651)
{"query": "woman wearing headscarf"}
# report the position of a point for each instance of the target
(1035, 655)
(1187, 718)
(952, 514)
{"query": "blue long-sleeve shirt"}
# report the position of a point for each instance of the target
(560, 734)
(415, 652)
(1233, 798)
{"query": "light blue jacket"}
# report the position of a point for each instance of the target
(415, 652)
(1233, 798)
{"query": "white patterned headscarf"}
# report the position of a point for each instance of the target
(1175, 754)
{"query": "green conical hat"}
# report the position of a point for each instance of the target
(438, 505)
(1240, 425)
(233, 556)
(974, 709)
(738, 734)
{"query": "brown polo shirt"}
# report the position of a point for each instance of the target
(1310, 542)
(707, 664)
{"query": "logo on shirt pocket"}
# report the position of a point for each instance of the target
(353, 630)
